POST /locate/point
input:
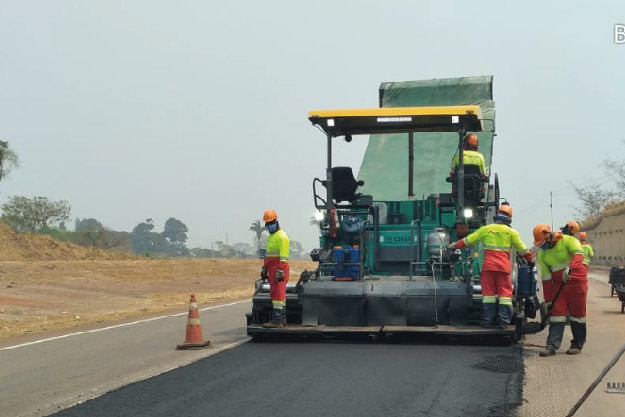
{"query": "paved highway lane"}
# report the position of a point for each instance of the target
(327, 379)
(41, 376)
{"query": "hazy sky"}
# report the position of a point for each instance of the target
(198, 109)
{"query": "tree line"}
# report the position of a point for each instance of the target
(598, 194)
(43, 216)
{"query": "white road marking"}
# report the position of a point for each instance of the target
(118, 325)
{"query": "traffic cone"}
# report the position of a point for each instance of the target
(194, 329)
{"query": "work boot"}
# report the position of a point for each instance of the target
(503, 325)
(486, 325)
(573, 351)
(276, 320)
(283, 317)
(546, 352)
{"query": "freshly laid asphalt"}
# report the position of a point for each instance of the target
(328, 379)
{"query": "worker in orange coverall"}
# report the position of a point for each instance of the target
(276, 268)
(498, 239)
(561, 264)
(589, 253)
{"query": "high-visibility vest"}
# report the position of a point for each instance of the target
(588, 253)
(498, 239)
(560, 257)
(470, 158)
(278, 246)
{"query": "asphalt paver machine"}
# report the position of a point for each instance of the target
(384, 267)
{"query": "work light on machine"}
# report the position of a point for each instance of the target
(319, 216)
(468, 213)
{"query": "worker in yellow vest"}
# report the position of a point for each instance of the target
(499, 238)
(470, 155)
(561, 264)
(276, 268)
(589, 253)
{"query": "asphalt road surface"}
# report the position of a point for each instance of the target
(43, 374)
(328, 379)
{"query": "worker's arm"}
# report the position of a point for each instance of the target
(482, 165)
(472, 239)
(545, 274)
(576, 266)
(545, 270)
(520, 247)
(591, 253)
(283, 247)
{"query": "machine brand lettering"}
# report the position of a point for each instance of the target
(619, 34)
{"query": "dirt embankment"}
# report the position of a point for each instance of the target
(47, 285)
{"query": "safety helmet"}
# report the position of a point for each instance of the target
(471, 140)
(571, 227)
(506, 209)
(582, 235)
(269, 216)
(541, 233)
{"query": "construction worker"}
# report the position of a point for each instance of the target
(470, 155)
(561, 266)
(276, 268)
(589, 253)
(570, 228)
(498, 239)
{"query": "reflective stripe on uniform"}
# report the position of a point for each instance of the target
(557, 319)
(546, 277)
(278, 305)
(578, 319)
(284, 259)
(559, 267)
(272, 254)
(489, 299)
(505, 301)
(493, 247)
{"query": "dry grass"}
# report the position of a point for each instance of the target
(614, 209)
(47, 285)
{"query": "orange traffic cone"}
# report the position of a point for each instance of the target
(194, 329)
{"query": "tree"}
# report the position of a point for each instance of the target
(25, 214)
(175, 232)
(8, 160)
(593, 199)
(144, 240)
(258, 230)
(87, 225)
(296, 249)
(616, 170)
(243, 250)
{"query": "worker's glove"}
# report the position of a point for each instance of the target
(452, 246)
(263, 274)
(280, 275)
(565, 275)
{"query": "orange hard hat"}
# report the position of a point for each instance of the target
(505, 208)
(582, 235)
(471, 139)
(269, 216)
(573, 226)
(541, 233)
